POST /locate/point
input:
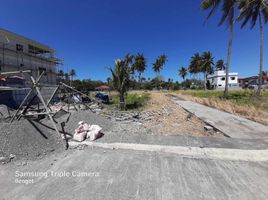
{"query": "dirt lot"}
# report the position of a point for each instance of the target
(170, 119)
(25, 140)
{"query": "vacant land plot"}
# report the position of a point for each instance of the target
(244, 103)
(169, 119)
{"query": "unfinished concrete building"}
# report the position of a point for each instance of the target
(20, 53)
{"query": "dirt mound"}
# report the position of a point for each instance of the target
(33, 140)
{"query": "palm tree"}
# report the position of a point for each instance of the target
(66, 76)
(140, 64)
(220, 65)
(60, 75)
(194, 67)
(72, 74)
(264, 73)
(121, 77)
(207, 63)
(108, 80)
(255, 10)
(159, 63)
(158, 66)
(183, 73)
(228, 14)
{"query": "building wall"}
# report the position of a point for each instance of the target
(12, 59)
(217, 80)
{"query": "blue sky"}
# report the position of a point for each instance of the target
(90, 34)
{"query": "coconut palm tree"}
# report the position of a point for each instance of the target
(228, 8)
(72, 74)
(159, 63)
(158, 66)
(220, 65)
(183, 72)
(140, 64)
(255, 10)
(60, 75)
(207, 63)
(121, 77)
(264, 73)
(67, 77)
(108, 80)
(194, 67)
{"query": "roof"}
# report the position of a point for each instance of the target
(15, 36)
(253, 77)
(103, 87)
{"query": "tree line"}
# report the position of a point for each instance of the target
(245, 11)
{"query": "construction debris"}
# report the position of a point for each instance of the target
(85, 131)
(208, 128)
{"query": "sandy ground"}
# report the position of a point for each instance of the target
(170, 119)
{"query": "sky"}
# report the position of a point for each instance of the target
(90, 35)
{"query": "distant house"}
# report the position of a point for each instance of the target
(253, 82)
(102, 88)
(217, 80)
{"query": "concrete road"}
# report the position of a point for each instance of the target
(231, 125)
(128, 174)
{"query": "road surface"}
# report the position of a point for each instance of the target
(129, 174)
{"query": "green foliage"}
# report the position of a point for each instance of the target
(220, 65)
(240, 97)
(159, 63)
(86, 85)
(183, 72)
(192, 84)
(139, 64)
(134, 100)
(207, 63)
(252, 10)
(195, 63)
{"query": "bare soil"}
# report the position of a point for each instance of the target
(170, 119)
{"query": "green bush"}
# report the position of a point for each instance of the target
(134, 100)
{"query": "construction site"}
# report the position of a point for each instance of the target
(58, 141)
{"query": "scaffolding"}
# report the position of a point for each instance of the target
(43, 106)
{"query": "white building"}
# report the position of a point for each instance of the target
(217, 80)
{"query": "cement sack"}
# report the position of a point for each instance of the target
(81, 136)
(94, 132)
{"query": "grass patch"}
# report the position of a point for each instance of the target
(240, 97)
(135, 101)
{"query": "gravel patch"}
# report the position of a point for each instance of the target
(31, 140)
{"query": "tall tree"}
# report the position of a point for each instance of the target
(121, 77)
(183, 72)
(158, 66)
(108, 80)
(255, 10)
(228, 8)
(220, 65)
(72, 74)
(60, 75)
(140, 64)
(264, 73)
(159, 63)
(194, 67)
(207, 63)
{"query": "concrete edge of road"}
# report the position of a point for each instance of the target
(205, 121)
(193, 152)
